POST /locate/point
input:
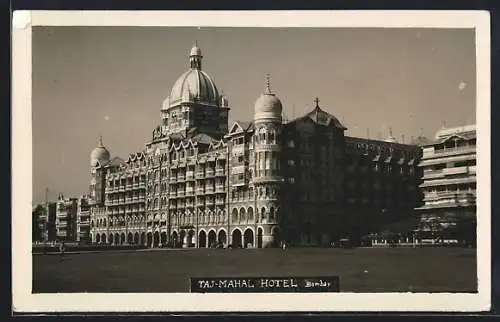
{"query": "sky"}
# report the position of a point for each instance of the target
(111, 81)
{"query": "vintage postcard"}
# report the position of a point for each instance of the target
(251, 161)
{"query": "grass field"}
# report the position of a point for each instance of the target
(360, 270)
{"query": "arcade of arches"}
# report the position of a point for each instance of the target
(240, 237)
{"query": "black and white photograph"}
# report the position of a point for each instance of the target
(257, 156)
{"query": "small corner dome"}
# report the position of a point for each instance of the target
(268, 103)
(99, 154)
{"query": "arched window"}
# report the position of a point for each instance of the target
(262, 135)
(250, 213)
(104, 222)
(271, 213)
(263, 213)
(271, 137)
(262, 161)
(234, 214)
(268, 160)
(242, 214)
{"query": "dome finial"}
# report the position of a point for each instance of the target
(268, 84)
(100, 141)
(195, 56)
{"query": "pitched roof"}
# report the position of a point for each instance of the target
(321, 117)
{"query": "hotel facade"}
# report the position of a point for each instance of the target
(200, 182)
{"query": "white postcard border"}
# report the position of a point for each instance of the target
(24, 301)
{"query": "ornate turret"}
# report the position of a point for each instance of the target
(99, 155)
(268, 107)
(267, 154)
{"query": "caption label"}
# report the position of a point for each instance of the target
(265, 284)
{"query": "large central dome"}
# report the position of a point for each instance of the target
(194, 86)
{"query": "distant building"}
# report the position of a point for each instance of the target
(449, 178)
(199, 182)
(66, 218)
(44, 222)
(83, 219)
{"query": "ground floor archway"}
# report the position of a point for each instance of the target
(222, 237)
(212, 238)
(103, 238)
(130, 238)
(248, 238)
(143, 238)
(175, 239)
(98, 238)
(202, 239)
(236, 238)
(190, 239)
(163, 238)
(117, 239)
(156, 240)
(150, 239)
(122, 239)
(136, 238)
(259, 237)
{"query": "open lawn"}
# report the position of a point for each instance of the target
(360, 270)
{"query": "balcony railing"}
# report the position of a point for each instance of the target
(181, 177)
(173, 179)
(181, 193)
(455, 150)
(209, 189)
(219, 188)
(190, 192)
(200, 174)
(189, 175)
(455, 170)
(220, 172)
(200, 191)
(209, 173)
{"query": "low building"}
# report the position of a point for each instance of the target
(83, 219)
(44, 222)
(449, 184)
(66, 218)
